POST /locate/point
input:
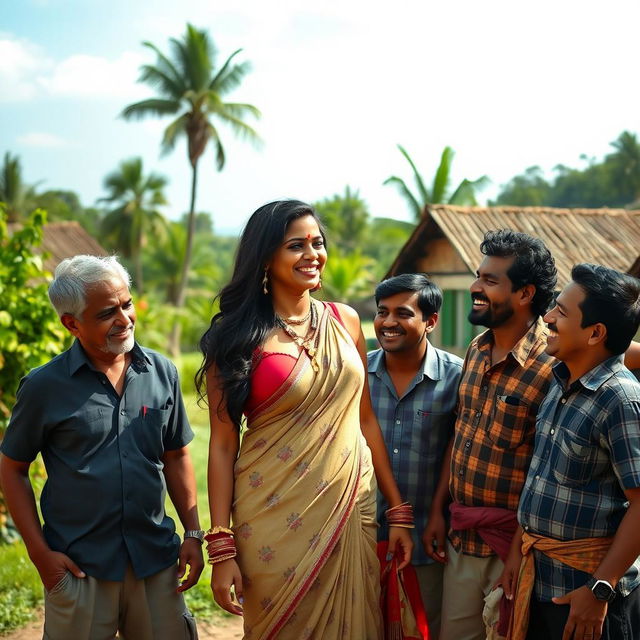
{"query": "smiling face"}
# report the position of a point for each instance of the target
(399, 324)
(494, 301)
(107, 323)
(298, 262)
(567, 340)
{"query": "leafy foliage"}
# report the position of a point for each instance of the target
(439, 193)
(20, 587)
(17, 196)
(30, 333)
(347, 277)
(611, 182)
(137, 197)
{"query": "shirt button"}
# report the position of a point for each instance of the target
(103, 381)
(467, 444)
(537, 477)
(397, 421)
(395, 451)
(484, 389)
(460, 472)
(563, 401)
(122, 412)
(552, 431)
(526, 527)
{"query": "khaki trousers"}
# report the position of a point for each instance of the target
(467, 580)
(430, 582)
(90, 609)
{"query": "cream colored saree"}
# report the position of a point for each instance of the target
(304, 503)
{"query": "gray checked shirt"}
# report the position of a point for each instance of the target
(416, 428)
(587, 452)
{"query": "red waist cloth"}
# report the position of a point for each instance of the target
(496, 527)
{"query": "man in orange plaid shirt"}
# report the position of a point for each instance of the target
(506, 374)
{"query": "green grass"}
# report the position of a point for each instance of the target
(20, 587)
(199, 598)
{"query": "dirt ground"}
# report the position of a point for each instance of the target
(223, 629)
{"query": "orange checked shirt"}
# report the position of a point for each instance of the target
(495, 427)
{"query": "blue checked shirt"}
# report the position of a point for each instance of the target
(587, 452)
(417, 428)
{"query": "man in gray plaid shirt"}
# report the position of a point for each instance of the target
(580, 506)
(414, 389)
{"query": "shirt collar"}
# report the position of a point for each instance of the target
(522, 349)
(431, 366)
(594, 378)
(78, 357)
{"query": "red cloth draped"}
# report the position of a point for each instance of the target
(400, 600)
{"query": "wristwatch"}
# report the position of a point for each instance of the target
(601, 589)
(194, 533)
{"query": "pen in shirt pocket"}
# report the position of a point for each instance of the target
(510, 399)
(144, 410)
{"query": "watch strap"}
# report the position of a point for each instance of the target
(194, 533)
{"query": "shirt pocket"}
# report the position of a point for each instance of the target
(508, 425)
(151, 427)
(430, 432)
(574, 458)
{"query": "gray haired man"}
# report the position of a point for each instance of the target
(108, 417)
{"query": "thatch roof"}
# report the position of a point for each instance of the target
(602, 236)
(66, 239)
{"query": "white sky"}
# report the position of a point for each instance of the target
(507, 84)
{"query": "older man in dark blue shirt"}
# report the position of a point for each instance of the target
(108, 418)
(580, 506)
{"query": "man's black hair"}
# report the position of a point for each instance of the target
(429, 294)
(533, 264)
(611, 298)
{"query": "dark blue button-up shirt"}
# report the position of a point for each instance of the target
(587, 452)
(416, 428)
(103, 502)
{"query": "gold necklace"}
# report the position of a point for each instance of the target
(300, 321)
(304, 342)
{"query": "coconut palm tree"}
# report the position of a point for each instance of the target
(137, 197)
(18, 197)
(191, 87)
(464, 194)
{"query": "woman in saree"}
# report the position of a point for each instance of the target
(293, 538)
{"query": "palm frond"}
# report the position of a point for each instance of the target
(405, 192)
(442, 177)
(151, 106)
(425, 196)
(171, 134)
(229, 76)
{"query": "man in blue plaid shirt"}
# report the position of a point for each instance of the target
(580, 506)
(413, 389)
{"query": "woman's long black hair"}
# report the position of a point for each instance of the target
(246, 314)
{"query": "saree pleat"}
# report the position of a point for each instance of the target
(304, 503)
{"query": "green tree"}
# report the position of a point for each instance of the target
(346, 218)
(30, 333)
(191, 86)
(137, 197)
(440, 192)
(347, 277)
(527, 190)
(63, 204)
(626, 166)
(17, 196)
